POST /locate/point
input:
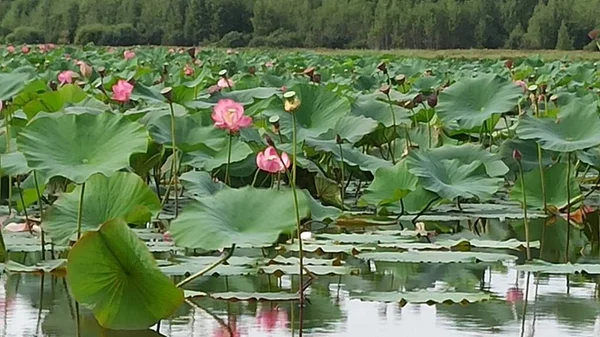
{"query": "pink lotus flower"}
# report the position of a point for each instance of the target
(66, 77)
(225, 83)
(122, 91)
(43, 48)
(128, 54)
(272, 318)
(167, 236)
(1, 105)
(85, 69)
(269, 64)
(514, 295)
(229, 115)
(10, 49)
(523, 85)
(111, 50)
(270, 161)
(21, 227)
(25, 49)
(188, 70)
(50, 46)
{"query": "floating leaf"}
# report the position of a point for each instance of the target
(461, 244)
(390, 185)
(111, 272)
(49, 266)
(363, 238)
(246, 216)
(209, 159)
(436, 257)
(327, 248)
(422, 297)
(307, 261)
(78, 146)
(279, 270)
(240, 296)
(552, 268)
(123, 195)
(575, 128)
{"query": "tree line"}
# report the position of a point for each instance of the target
(377, 24)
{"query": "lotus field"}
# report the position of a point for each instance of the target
(145, 175)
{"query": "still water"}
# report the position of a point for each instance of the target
(556, 306)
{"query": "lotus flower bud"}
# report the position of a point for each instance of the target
(338, 139)
(385, 89)
(509, 63)
(382, 67)
(252, 70)
(167, 93)
(192, 53)
(409, 105)
(53, 85)
(310, 72)
(516, 154)
(594, 34)
(316, 78)
(291, 101)
(418, 99)
(554, 98)
(432, 100)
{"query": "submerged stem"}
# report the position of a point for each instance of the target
(568, 206)
(80, 210)
(525, 220)
(217, 263)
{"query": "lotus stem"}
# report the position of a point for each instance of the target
(343, 181)
(227, 179)
(429, 137)
(568, 206)
(255, 177)
(392, 141)
(298, 224)
(525, 305)
(22, 202)
(7, 121)
(543, 181)
(41, 207)
(175, 166)
(525, 219)
(217, 263)
(80, 210)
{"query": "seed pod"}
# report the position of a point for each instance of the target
(418, 99)
(509, 63)
(252, 70)
(102, 71)
(400, 79)
(594, 34)
(316, 78)
(167, 93)
(53, 85)
(382, 67)
(292, 103)
(310, 71)
(192, 53)
(385, 89)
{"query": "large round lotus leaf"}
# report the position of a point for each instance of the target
(123, 195)
(390, 185)
(450, 178)
(209, 159)
(370, 107)
(111, 272)
(352, 155)
(555, 179)
(246, 216)
(467, 153)
(575, 128)
(189, 132)
(77, 146)
(320, 111)
(472, 101)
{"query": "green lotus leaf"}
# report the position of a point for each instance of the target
(327, 247)
(316, 270)
(246, 216)
(590, 157)
(555, 183)
(14, 163)
(472, 101)
(78, 146)
(292, 260)
(123, 195)
(436, 257)
(529, 155)
(54, 101)
(111, 272)
(451, 179)
(460, 244)
(468, 153)
(242, 296)
(200, 184)
(422, 297)
(209, 159)
(379, 111)
(247, 96)
(353, 128)
(320, 111)
(352, 156)
(190, 133)
(576, 128)
(543, 267)
(390, 185)
(11, 83)
(48, 266)
(320, 212)
(364, 238)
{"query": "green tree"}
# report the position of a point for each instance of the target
(563, 40)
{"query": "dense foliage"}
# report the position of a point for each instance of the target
(383, 24)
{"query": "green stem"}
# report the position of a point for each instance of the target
(298, 224)
(255, 177)
(41, 207)
(7, 121)
(227, 180)
(428, 129)
(525, 220)
(568, 205)
(543, 181)
(343, 182)
(22, 202)
(392, 142)
(175, 166)
(80, 210)
(217, 263)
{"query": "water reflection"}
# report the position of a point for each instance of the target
(523, 305)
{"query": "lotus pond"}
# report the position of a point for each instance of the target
(173, 192)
